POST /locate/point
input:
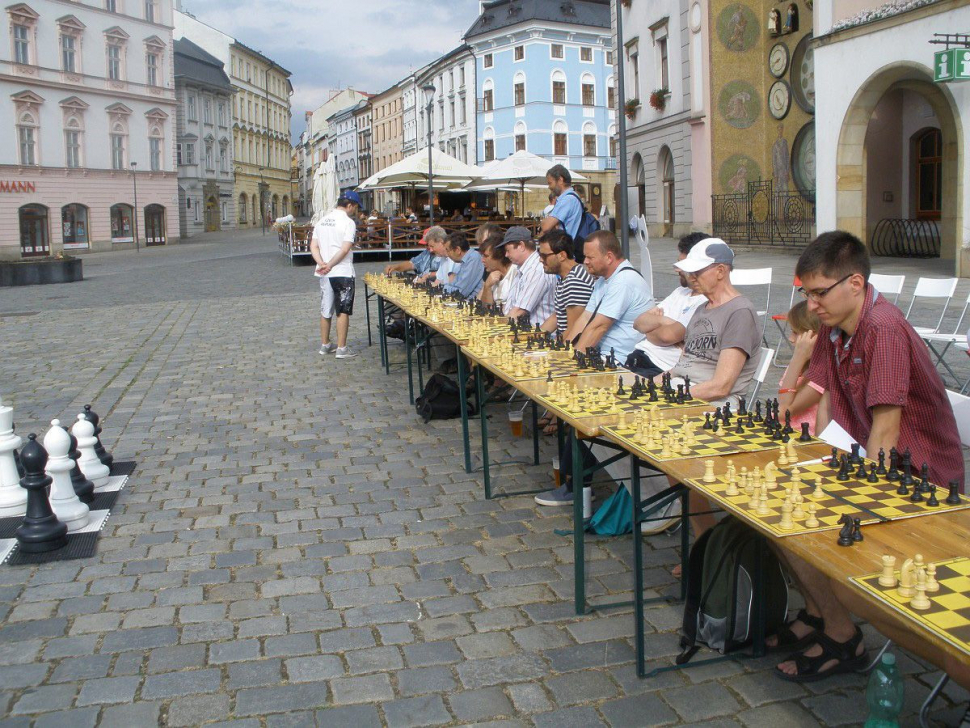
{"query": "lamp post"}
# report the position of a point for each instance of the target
(429, 98)
(623, 212)
(134, 185)
(262, 206)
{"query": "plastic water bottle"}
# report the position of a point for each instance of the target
(884, 694)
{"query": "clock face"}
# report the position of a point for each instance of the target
(803, 75)
(803, 161)
(779, 99)
(778, 60)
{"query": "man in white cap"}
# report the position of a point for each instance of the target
(723, 339)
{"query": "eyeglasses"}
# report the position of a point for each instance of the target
(697, 273)
(547, 255)
(819, 293)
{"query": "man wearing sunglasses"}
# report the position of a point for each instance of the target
(885, 392)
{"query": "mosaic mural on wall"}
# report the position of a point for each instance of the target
(735, 173)
(738, 27)
(739, 104)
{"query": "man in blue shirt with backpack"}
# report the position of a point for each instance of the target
(569, 212)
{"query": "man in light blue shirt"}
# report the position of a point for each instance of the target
(568, 211)
(468, 267)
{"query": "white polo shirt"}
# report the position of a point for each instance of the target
(332, 233)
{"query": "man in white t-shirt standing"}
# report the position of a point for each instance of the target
(332, 249)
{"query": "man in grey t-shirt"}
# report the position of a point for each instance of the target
(723, 339)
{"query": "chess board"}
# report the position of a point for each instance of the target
(599, 398)
(949, 614)
(869, 502)
(707, 444)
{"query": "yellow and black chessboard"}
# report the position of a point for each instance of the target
(948, 616)
(869, 502)
(707, 444)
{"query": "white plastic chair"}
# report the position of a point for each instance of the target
(742, 277)
(781, 321)
(888, 285)
(761, 370)
(933, 288)
(643, 242)
(947, 340)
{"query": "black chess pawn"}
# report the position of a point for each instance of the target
(805, 436)
(83, 488)
(41, 531)
(718, 414)
(860, 472)
(917, 496)
(953, 498)
(845, 533)
(707, 420)
(776, 433)
(739, 430)
(750, 422)
(924, 479)
(834, 459)
(902, 489)
(881, 468)
(549, 376)
(619, 390)
(714, 426)
(727, 409)
(932, 502)
(873, 478)
(892, 475)
(856, 529)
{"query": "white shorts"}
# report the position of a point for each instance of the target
(336, 295)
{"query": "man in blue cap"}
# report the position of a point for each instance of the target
(332, 248)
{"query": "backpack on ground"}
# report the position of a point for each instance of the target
(720, 604)
(440, 400)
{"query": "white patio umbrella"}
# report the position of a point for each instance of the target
(325, 189)
(522, 169)
(414, 170)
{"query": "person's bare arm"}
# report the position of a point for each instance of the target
(573, 329)
(322, 267)
(573, 314)
(548, 223)
(802, 400)
(594, 331)
(659, 329)
(730, 362)
(517, 312)
(549, 324)
(884, 434)
(823, 415)
(402, 267)
(486, 295)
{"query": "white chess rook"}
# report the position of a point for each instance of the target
(90, 464)
(13, 498)
(64, 501)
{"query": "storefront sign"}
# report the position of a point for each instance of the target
(952, 64)
(17, 186)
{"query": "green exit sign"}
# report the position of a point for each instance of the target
(952, 64)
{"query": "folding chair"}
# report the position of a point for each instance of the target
(781, 321)
(741, 277)
(947, 340)
(643, 242)
(761, 371)
(933, 288)
(888, 285)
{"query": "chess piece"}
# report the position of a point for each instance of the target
(860, 473)
(917, 496)
(888, 577)
(707, 420)
(788, 428)
(786, 523)
(873, 478)
(932, 585)
(41, 531)
(834, 461)
(924, 479)
(953, 499)
(64, 501)
(892, 475)
(881, 469)
(763, 509)
(104, 456)
(854, 457)
(857, 529)
(907, 477)
(805, 436)
(782, 456)
(812, 520)
(89, 463)
(796, 476)
(932, 502)
(771, 475)
(709, 472)
(757, 411)
(920, 601)
(732, 489)
(843, 474)
(13, 498)
(845, 533)
(818, 492)
(792, 452)
(905, 587)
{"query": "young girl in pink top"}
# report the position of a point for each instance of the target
(804, 327)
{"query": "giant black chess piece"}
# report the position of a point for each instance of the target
(104, 456)
(83, 488)
(40, 531)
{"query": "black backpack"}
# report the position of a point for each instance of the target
(588, 225)
(720, 590)
(440, 400)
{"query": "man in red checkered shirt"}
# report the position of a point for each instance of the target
(886, 393)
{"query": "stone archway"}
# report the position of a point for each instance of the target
(851, 171)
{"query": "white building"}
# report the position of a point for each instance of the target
(88, 100)
(410, 100)
(888, 142)
(452, 104)
(363, 113)
(343, 147)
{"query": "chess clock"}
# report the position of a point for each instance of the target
(803, 75)
(778, 58)
(779, 99)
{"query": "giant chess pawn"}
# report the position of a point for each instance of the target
(64, 501)
(104, 456)
(13, 498)
(89, 463)
(83, 487)
(40, 531)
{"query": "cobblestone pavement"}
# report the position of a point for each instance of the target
(296, 549)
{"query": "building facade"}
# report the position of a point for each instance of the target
(260, 121)
(88, 98)
(365, 159)
(203, 141)
(318, 134)
(343, 147)
(452, 105)
(890, 139)
(387, 141)
(411, 99)
(544, 71)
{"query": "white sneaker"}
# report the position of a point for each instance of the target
(670, 519)
(346, 353)
(327, 349)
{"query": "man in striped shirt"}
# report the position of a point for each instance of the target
(534, 290)
(575, 283)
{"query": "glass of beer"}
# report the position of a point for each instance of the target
(515, 422)
(555, 471)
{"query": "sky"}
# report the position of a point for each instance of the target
(329, 44)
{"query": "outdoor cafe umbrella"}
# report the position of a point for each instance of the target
(523, 169)
(325, 189)
(413, 170)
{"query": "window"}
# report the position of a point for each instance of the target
(223, 159)
(520, 133)
(222, 113)
(520, 53)
(589, 91)
(242, 207)
(586, 54)
(664, 72)
(206, 111)
(178, 154)
(111, 6)
(190, 113)
(21, 44)
(72, 148)
(614, 142)
(558, 87)
(489, 137)
(589, 140)
(487, 100)
(208, 156)
(461, 109)
(609, 58)
(461, 75)
(518, 89)
(151, 63)
(225, 211)
(610, 93)
(74, 226)
(189, 153)
(453, 119)
(114, 61)
(121, 227)
(69, 53)
(28, 145)
(117, 151)
(560, 144)
(150, 10)
(487, 60)
(555, 50)
(635, 65)
(155, 153)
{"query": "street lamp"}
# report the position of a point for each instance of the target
(262, 201)
(429, 97)
(134, 185)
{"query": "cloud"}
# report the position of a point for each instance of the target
(328, 44)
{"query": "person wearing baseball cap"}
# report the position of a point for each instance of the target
(533, 290)
(423, 262)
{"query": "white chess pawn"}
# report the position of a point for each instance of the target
(66, 505)
(13, 498)
(90, 465)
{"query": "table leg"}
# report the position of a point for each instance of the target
(637, 567)
(382, 334)
(535, 433)
(367, 295)
(407, 350)
(579, 545)
(684, 541)
(463, 399)
(758, 648)
(480, 396)
(417, 352)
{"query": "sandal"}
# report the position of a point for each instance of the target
(809, 668)
(788, 640)
(545, 419)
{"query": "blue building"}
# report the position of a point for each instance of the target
(544, 77)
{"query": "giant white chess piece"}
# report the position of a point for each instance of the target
(13, 498)
(64, 501)
(90, 465)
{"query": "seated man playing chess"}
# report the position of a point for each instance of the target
(886, 393)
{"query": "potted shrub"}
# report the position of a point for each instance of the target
(631, 108)
(658, 99)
